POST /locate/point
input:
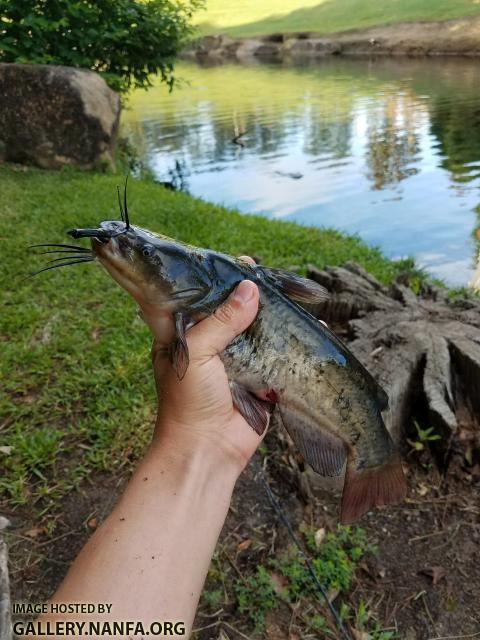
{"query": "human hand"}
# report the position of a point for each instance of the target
(197, 412)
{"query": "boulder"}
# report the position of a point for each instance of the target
(51, 116)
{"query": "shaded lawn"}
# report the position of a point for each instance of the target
(77, 393)
(247, 18)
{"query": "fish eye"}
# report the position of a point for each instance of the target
(147, 250)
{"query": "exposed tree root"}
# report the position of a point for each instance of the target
(424, 350)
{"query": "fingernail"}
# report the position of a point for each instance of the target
(244, 292)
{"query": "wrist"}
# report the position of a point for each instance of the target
(200, 455)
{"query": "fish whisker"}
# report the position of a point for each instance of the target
(63, 264)
(79, 253)
(125, 209)
(79, 258)
(63, 246)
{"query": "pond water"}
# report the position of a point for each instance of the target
(388, 149)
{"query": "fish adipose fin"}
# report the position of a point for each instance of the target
(368, 488)
(324, 452)
(295, 287)
(179, 348)
(255, 411)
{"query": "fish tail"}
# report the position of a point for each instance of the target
(374, 487)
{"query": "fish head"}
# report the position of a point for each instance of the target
(156, 270)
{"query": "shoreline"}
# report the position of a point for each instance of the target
(459, 37)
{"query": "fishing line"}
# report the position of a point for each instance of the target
(288, 525)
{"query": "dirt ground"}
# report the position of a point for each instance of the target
(424, 581)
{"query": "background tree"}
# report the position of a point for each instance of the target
(126, 41)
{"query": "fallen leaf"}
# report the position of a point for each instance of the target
(435, 573)
(244, 544)
(320, 536)
(423, 489)
(333, 593)
(92, 523)
(4, 523)
(35, 532)
(360, 635)
(6, 450)
(279, 583)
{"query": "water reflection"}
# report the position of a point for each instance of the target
(393, 142)
(388, 149)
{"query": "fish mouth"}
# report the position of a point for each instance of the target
(88, 233)
(100, 234)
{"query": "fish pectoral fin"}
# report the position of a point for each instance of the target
(295, 287)
(178, 351)
(368, 488)
(324, 452)
(255, 411)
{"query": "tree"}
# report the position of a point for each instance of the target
(126, 41)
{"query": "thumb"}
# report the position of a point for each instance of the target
(210, 336)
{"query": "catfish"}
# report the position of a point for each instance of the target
(286, 361)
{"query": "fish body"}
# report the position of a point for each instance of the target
(328, 402)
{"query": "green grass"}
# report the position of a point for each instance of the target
(247, 18)
(77, 391)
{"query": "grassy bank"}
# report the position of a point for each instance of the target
(249, 18)
(77, 391)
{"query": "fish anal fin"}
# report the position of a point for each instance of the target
(255, 411)
(323, 451)
(295, 287)
(375, 487)
(179, 355)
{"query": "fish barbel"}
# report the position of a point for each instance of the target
(328, 402)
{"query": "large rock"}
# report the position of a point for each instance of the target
(52, 116)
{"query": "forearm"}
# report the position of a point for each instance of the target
(158, 540)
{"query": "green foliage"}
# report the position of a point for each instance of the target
(318, 623)
(363, 621)
(126, 41)
(463, 292)
(211, 599)
(411, 275)
(423, 437)
(335, 561)
(255, 596)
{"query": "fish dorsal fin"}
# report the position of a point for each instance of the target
(295, 287)
(324, 452)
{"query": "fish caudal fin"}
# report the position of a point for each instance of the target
(370, 488)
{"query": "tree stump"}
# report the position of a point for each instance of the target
(423, 349)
